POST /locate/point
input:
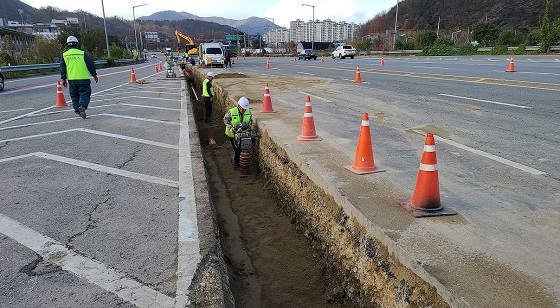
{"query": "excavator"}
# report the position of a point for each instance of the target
(190, 46)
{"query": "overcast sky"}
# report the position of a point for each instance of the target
(283, 11)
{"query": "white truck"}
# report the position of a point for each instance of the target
(211, 54)
(344, 51)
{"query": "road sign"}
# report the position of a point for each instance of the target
(253, 37)
(234, 37)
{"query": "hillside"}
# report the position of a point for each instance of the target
(9, 10)
(118, 27)
(452, 15)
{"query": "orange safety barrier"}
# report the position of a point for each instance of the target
(60, 100)
(308, 132)
(267, 101)
(358, 77)
(425, 199)
(132, 76)
(511, 68)
(363, 162)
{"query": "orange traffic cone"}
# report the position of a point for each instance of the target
(382, 63)
(267, 102)
(308, 132)
(425, 199)
(358, 77)
(156, 68)
(295, 58)
(511, 69)
(322, 59)
(60, 100)
(267, 64)
(232, 61)
(160, 66)
(132, 76)
(363, 162)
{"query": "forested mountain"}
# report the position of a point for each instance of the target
(453, 15)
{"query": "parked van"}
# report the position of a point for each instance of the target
(211, 54)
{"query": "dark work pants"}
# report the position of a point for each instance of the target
(208, 107)
(80, 94)
(227, 62)
(236, 151)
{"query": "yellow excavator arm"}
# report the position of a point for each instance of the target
(190, 46)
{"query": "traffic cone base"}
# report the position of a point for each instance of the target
(309, 138)
(425, 200)
(363, 170)
(60, 100)
(419, 212)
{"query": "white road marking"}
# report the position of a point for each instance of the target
(485, 101)
(96, 167)
(315, 96)
(25, 115)
(14, 110)
(488, 155)
(139, 119)
(91, 131)
(93, 271)
(188, 247)
(152, 107)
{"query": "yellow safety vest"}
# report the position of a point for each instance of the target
(236, 119)
(205, 88)
(76, 67)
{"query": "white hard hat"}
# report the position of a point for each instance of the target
(243, 103)
(210, 74)
(72, 39)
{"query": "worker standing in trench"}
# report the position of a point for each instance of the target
(208, 95)
(237, 115)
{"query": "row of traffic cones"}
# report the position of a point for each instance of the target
(425, 200)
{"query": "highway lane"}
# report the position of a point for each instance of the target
(92, 212)
(508, 114)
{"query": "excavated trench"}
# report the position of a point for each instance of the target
(287, 242)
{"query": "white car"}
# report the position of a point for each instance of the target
(154, 56)
(344, 51)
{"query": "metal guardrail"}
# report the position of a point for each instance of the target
(31, 67)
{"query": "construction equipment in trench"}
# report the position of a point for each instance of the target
(244, 138)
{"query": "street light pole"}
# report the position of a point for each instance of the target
(105, 26)
(275, 34)
(134, 22)
(312, 33)
(396, 17)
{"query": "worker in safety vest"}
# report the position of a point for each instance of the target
(77, 66)
(237, 115)
(208, 95)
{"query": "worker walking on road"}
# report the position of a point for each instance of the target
(208, 95)
(237, 115)
(77, 66)
(227, 56)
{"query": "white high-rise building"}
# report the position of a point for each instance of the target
(317, 31)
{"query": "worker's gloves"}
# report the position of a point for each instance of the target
(64, 83)
(96, 79)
